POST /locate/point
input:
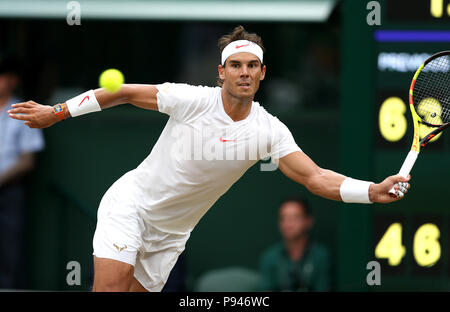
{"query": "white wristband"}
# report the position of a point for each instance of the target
(84, 103)
(355, 191)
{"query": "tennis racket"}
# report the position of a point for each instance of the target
(429, 101)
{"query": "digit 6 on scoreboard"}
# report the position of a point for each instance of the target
(391, 119)
(426, 247)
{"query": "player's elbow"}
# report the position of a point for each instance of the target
(314, 187)
(128, 92)
(143, 96)
(316, 183)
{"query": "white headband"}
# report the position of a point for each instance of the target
(242, 46)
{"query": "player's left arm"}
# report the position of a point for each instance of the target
(326, 183)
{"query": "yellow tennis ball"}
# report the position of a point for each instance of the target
(111, 79)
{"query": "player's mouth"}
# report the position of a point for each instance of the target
(244, 85)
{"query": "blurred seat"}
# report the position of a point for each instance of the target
(232, 279)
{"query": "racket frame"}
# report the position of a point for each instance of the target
(417, 144)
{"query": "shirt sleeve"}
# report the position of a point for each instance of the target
(283, 142)
(30, 140)
(182, 101)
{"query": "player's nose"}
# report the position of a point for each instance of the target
(244, 71)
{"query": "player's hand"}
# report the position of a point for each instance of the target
(379, 193)
(35, 115)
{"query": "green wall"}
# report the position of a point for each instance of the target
(355, 141)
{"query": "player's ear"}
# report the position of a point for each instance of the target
(221, 70)
(263, 72)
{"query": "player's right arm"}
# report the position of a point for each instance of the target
(37, 115)
(140, 95)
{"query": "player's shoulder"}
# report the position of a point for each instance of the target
(263, 113)
(185, 101)
(168, 87)
(272, 121)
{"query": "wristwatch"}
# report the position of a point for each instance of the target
(58, 110)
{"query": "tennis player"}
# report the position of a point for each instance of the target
(147, 215)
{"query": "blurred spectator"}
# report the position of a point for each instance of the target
(297, 263)
(18, 143)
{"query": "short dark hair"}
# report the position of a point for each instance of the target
(238, 33)
(302, 202)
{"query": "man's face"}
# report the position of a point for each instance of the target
(293, 221)
(242, 74)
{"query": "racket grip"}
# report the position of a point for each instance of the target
(406, 168)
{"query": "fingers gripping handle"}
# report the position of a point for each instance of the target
(406, 168)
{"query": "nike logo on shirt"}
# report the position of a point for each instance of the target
(225, 140)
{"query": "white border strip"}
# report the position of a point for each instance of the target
(306, 10)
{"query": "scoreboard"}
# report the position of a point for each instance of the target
(410, 238)
(416, 11)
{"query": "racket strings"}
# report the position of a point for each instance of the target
(431, 94)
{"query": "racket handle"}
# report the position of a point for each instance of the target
(406, 168)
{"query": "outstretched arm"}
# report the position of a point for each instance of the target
(42, 116)
(326, 183)
(140, 95)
